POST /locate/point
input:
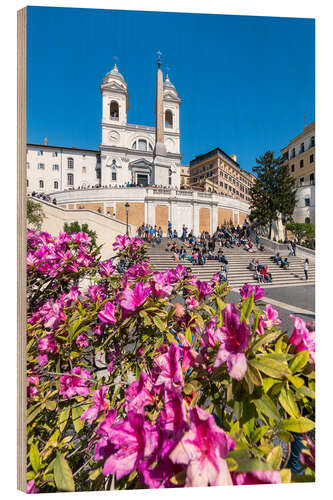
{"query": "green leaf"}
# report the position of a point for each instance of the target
(286, 436)
(34, 458)
(296, 381)
(34, 414)
(285, 475)
(301, 425)
(259, 432)
(247, 308)
(170, 337)
(304, 391)
(288, 403)
(274, 457)
(299, 361)
(62, 474)
(188, 335)
(266, 406)
(254, 375)
(51, 405)
(159, 323)
(270, 366)
(267, 383)
(264, 339)
(63, 418)
(76, 414)
(245, 463)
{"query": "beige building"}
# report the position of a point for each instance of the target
(218, 172)
(184, 176)
(300, 156)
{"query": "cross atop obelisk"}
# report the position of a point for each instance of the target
(160, 148)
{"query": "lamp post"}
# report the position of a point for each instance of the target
(127, 206)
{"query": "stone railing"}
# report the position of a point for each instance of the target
(282, 248)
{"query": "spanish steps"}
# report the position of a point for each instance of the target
(238, 260)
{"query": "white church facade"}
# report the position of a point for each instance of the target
(127, 153)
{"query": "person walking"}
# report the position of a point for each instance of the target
(293, 245)
(306, 269)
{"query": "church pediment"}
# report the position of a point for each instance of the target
(140, 163)
(114, 86)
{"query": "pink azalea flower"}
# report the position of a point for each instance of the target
(138, 394)
(121, 242)
(179, 272)
(204, 449)
(81, 340)
(170, 374)
(107, 314)
(42, 359)
(106, 268)
(133, 441)
(55, 316)
(302, 338)
(100, 404)
(97, 329)
(234, 341)
(271, 316)
(172, 415)
(256, 477)
(31, 487)
(96, 292)
(203, 288)
(72, 296)
(259, 292)
(75, 383)
(261, 326)
(81, 238)
(132, 298)
(191, 302)
(32, 387)
(246, 290)
(48, 344)
(160, 285)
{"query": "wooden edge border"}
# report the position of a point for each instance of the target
(21, 245)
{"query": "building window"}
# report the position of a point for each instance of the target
(56, 185)
(84, 170)
(40, 153)
(285, 155)
(28, 165)
(98, 173)
(307, 220)
(292, 168)
(301, 164)
(312, 178)
(41, 184)
(168, 119)
(293, 153)
(307, 202)
(114, 176)
(302, 148)
(70, 179)
(54, 153)
(70, 163)
(114, 110)
(142, 145)
(311, 158)
(27, 182)
(41, 166)
(312, 143)
(55, 167)
(301, 181)
(134, 145)
(150, 147)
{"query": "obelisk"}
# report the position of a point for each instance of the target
(160, 149)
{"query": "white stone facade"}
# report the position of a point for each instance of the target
(305, 205)
(126, 152)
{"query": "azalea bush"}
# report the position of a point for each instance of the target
(144, 379)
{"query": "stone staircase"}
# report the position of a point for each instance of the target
(238, 262)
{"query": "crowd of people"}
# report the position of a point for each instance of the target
(44, 197)
(261, 273)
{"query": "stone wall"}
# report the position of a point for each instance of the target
(162, 217)
(136, 213)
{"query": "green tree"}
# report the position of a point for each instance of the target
(74, 227)
(273, 191)
(35, 215)
(303, 232)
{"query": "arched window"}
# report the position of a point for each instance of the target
(134, 145)
(114, 110)
(70, 179)
(41, 184)
(142, 145)
(56, 184)
(168, 119)
(70, 163)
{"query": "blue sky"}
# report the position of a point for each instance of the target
(245, 82)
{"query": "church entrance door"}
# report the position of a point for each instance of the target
(142, 180)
